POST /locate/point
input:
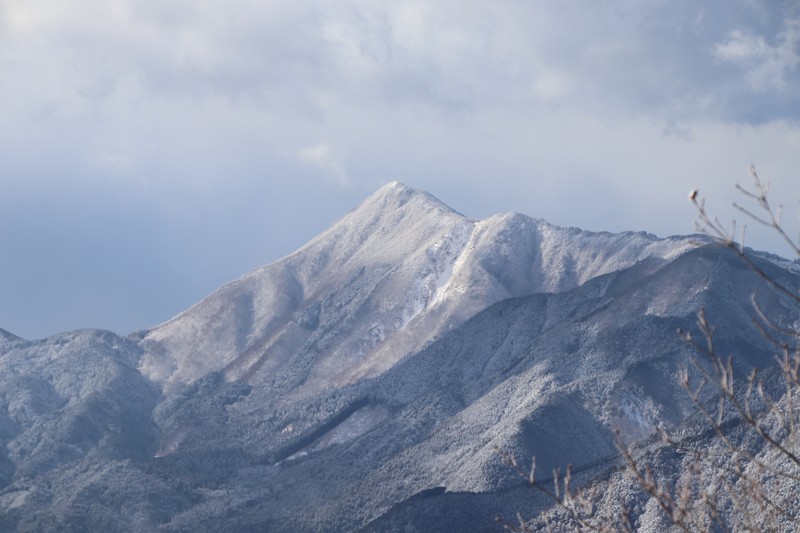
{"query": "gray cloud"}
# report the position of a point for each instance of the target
(766, 66)
(196, 133)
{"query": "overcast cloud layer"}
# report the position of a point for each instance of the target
(154, 149)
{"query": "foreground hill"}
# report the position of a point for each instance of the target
(367, 380)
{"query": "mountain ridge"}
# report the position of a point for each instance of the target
(401, 256)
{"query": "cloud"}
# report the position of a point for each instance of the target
(767, 66)
(326, 158)
(303, 58)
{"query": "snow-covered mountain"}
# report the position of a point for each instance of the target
(394, 273)
(366, 381)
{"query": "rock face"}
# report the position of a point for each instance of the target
(367, 380)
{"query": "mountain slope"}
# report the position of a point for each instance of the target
(548, 374)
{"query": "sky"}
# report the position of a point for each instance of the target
(152, 150)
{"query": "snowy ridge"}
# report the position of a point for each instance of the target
(344, 303)
(562, 247)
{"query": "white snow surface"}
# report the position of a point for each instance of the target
(379, 284)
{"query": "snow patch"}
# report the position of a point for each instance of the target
(14, 499)
(447, 286)
(430, 284)
(637, 416)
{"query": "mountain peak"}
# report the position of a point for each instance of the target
(395, 195)
(394, 190)
(396, 185)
